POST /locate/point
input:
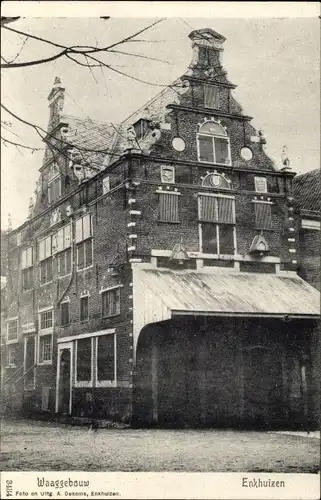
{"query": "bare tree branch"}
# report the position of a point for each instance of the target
(20, 145)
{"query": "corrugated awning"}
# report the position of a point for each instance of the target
(198, 292)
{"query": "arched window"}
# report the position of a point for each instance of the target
(213, 144)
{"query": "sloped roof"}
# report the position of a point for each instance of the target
(307, 191)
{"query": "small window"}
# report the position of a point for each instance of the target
(45, 248)
(12, 330)
(27, 279)
(46, 320)
(211, 96)
(84, 308)
(84, 254)
(12, 356)
(110, 302)
(263, 215)
(83, 228)
(27, 258)
(64, 313)
(64, 262)
(106, 360)
(84, 360)
(63, 238)
(46, 272)
(45, 348)
(169, 206)
(106, 184)
(260, 184)
(54, 189)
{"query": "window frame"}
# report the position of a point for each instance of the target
(110, 289)
(51, 181)
(63, 254)
(44, 263)
(213, 136)
(66, 301)
(85, 383)
(161, 192)
(83, 240)
(14, 319)
(43, 332)
(263, 202)
(106, 383)
(217, 225)
(80, 300)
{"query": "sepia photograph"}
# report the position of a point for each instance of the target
(160, 246)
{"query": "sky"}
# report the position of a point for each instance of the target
(274, 61)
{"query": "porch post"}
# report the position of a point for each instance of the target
(154, 380)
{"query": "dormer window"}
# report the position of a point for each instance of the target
(213, 144)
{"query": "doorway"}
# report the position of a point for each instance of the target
(64, 379)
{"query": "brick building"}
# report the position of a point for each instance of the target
(155, 280)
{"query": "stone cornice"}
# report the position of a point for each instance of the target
(209, 112)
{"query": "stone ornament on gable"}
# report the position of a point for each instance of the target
(55, 216)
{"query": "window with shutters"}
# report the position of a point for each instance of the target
(110, 302)
(84, 308)
(12, 330)
(63, 249)
(211, 96)
(106, 359)
(45, 257)
(263, 215)
(64, 313)
(168, 206)
(27, 268)
(216, 215)
(213, 144)
(84, 242)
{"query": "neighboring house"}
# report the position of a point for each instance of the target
(307, 195)
(154, 280)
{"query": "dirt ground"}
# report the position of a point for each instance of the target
(32, 445)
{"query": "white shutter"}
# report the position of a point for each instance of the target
(24, 259)
(67, 236)
(42, 250)
(79, 234)
(48, 246)
(86, 227)
(29, 257)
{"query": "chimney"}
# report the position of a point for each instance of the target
(56, 103)
(207, 47)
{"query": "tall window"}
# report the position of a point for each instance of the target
(110, 300)
(213, 144)
(84, 242)
(168, 206)
(27, 268)
(63, 249)
(84, 360)
(216, 214)
(64, 313)
(45, 257)
(12, 330)
(45, 336)
(84, 310)
(106, 358)
(263, 214)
